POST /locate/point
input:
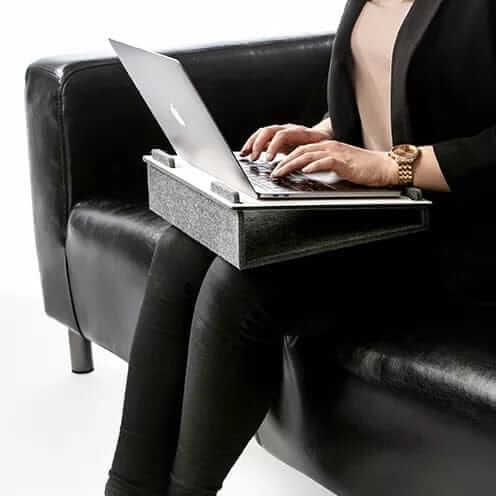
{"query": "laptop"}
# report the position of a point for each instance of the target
(185, 120)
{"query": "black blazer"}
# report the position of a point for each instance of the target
(443, 94)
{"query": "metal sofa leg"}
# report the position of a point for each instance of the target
(81, 356)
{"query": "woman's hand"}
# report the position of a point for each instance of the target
(358, 165)
(281, 138)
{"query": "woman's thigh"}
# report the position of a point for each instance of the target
(176, 271)
(340, 291)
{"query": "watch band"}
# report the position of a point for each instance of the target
(405, 156)
(405, 174)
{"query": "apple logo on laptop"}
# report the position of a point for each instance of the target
(175, 113)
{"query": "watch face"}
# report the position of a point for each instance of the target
(406, 152)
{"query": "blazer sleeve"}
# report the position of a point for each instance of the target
(469, 164)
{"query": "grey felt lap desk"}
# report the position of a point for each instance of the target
(259, 232)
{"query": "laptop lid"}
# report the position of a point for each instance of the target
(182, 115)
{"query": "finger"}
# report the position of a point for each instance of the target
(300, 150)
(280, 142)
(298, 163)
(249, 143)
(262, 140)
(247, 147)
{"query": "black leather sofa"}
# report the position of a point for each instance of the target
(412, 414)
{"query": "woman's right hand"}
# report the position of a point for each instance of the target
(282, 139)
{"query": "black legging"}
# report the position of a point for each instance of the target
(205, 362)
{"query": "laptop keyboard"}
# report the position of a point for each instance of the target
(259, 171)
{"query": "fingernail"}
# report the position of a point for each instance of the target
(269, 157)
(307, 168)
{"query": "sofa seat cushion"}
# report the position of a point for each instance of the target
(451, 364)
(109, 247)
(403, 416)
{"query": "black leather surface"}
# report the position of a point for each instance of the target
(109, 248)
(458, 372)
(88, 127)
(409, 417)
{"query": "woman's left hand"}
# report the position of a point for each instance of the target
(358, 165)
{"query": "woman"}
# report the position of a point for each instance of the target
(206, 357)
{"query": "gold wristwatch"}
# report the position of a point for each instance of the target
(405, 156)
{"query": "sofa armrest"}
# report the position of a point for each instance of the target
(88, 127)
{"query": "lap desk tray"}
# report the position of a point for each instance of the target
(248, 233)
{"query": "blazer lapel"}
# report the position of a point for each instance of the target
(341, 96)
(342, 46)
(411, 32)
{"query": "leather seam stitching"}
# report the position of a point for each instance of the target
(65, 184)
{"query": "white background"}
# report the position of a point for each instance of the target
(58, 430)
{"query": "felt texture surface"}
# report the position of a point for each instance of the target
(254, 237)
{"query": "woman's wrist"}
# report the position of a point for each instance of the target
(391, 170)
(427, 173)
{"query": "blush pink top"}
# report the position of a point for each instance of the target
(372, 42)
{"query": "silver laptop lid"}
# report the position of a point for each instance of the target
(182, 115)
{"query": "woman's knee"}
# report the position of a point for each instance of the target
(179, 262)
(177, 248)
(234, 303)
